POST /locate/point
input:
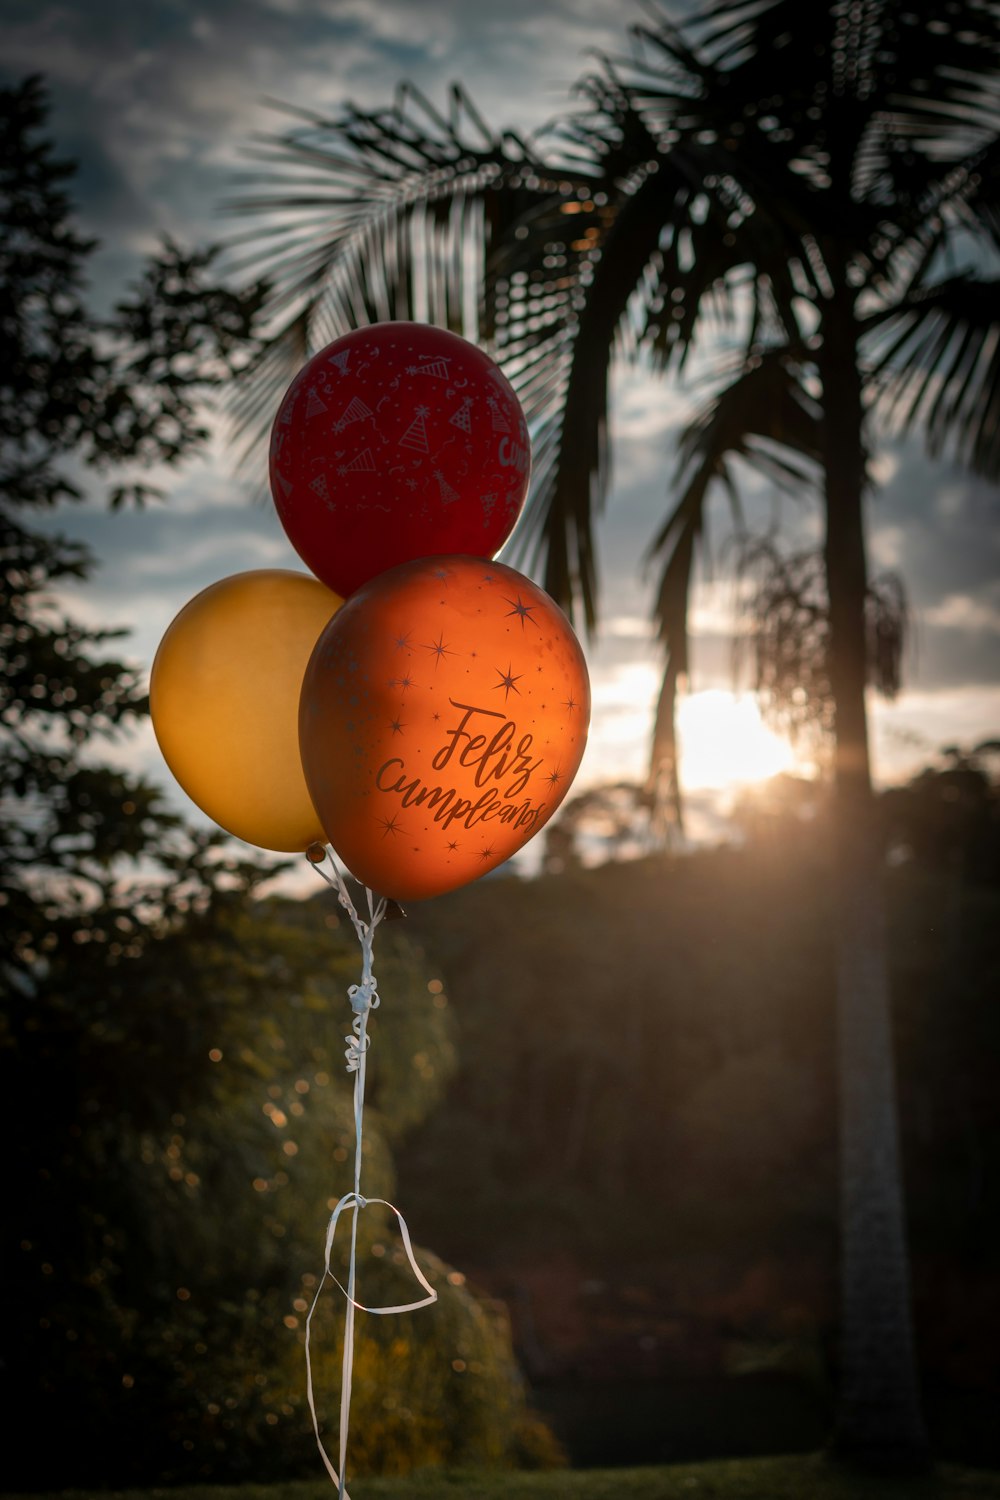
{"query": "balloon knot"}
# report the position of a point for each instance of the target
(364, 996)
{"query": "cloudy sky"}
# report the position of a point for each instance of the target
(158, 102)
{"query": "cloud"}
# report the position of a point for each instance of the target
(627, 627)
(945, 525)
(886, 547)
(908, 734)
(158, 102)
(884, 466)
(967, 613)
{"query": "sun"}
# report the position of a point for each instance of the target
(723, 742)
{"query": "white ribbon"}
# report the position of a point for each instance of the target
(364, 998)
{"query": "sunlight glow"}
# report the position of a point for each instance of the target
(723, 742)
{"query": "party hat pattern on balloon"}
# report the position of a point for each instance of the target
(399, 429)
(444, 713)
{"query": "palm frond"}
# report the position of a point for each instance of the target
(979, 197)
(443, 221)
(558, 356)
(767, 417)
(936, 366)
(933, 73)
(666, 237)
(853, 127)
(786, 635)
(571, 285)
(761, 182)
(369, 216)
(671, 612)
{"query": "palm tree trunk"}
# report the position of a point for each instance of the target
(879, 1421)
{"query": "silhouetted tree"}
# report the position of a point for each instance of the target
(105, 1013)
(948, 816)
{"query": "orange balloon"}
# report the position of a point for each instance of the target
(444, 714)
(223, 697)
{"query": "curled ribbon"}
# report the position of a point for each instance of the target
(364, 999)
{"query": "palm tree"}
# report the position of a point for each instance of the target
(820, 184)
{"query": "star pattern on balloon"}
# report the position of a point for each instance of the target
(491, 737)
(508, 681)
(522, 610)
(438, 649)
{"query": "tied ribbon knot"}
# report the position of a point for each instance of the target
(364, 998)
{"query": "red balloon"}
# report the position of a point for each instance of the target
(397, 441)
(443, 716)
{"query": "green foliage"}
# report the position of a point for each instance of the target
(646, 1069)
(124, 390)
(116, 917)
(656, 1038)
(204, 1294)
(786, 635)
(949, 815)
(79, 393)
(456, 1399)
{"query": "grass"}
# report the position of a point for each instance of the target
(797, 1477)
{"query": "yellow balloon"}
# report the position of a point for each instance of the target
(224, 700)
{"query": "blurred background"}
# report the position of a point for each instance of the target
(603, 1081)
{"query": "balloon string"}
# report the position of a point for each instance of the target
(364, 998)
